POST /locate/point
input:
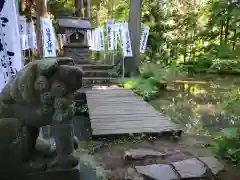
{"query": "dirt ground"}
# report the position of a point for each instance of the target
(110, 155)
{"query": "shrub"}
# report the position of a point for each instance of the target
(227, 145)
(146, 88)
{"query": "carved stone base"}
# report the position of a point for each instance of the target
(56, 173)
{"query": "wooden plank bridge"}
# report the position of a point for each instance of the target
(115, 110)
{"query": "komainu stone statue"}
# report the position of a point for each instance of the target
(40, 94)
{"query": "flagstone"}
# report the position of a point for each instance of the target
(157, 171)
(213, 164)
(190, 168)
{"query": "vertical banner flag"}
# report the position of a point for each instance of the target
(98, 39)
(49, 40)
(101, 38)
(10, 48)
(110, 34)
(144, 38)
(89, 39)
(95, 40)
(55, 39)
(64, 39)
(127, 48)
(32, 40)
(116, 27)
(23, 32)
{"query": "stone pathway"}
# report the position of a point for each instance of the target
(160, 159)
(207, 167)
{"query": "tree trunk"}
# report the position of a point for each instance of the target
(221, 32)
(134, 24)
(226, 30)
(98, 14)
(185, 48)
(98, 23)
(22, 6)
(82, 9)
(79, 8)
(234, 36)
(88, 14)
(41, 10)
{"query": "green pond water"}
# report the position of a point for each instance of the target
(196, 103)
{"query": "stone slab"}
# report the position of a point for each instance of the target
(213, 164)
(140, 153)
(190, 168)
(157, 171)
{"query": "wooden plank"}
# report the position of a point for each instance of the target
(124, 98)
(117, 102)
(145, 119)
(121, 108)
(128, 117)
(153, 122)
(121, 111)
(127, 131)
(160, 123)
(104, 110)
(139, 129)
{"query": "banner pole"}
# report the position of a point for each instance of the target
(123, 68)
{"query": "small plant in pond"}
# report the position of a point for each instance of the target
(227, 145)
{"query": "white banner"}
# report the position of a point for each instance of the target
(32, 37)
(64, 38)
(127, 48)
(110, 34)
(23, 25)
(101, 39)
(95, 40)
(24, 42)
(89, 39)
(23, 32)
(98, 39)
(144, 38)
(56, 40)
(10, 49)
(117, 38)
(49, 39)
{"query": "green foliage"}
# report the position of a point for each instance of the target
(232, 105)
(227, 145)
(146, 88)
(81, 109)
(153, 79)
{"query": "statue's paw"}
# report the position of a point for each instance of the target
(44, 147)
(46, 98)
(75, 142)
(70, 162)
(41, 84)
(45, 110)
(58, 89)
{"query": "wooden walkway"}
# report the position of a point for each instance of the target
(121, 111)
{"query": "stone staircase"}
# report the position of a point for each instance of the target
(97, 74)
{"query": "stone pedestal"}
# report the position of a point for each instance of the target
(59, 174)
(78, 52)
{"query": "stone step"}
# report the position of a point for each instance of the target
(91, 81)
(95, 67)
(100, 73)
(82, 61)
